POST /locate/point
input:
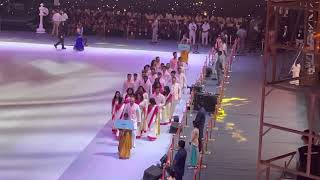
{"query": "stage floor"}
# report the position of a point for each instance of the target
(55, 106)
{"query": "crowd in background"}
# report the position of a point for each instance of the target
(139, 25)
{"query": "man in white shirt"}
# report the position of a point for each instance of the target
(64, 16)
(128, 84)
(205, 33)
(173, 74)
(182, 78)
(168, 68)
(165, 75)
(160, 98)
(147, 69)
(176, 94)
(56, 20)
(161, 101)
(192, 32)
(134, 113)
(161, 79)
(146, 84)
(153, 76)
(174, 61)
(158, 63)
(136, 81)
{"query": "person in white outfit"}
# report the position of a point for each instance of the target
(161, 101)
(205, 33)
(182, 78)
(56, 20)
(64, 16)
(134, 113)
(192, 32)
(176, 94)
(128, 83)
(146, 84)
(136, 81)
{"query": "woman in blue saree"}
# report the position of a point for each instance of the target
(79, 46)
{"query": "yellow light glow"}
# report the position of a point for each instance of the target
(228, 100)
(221, 115)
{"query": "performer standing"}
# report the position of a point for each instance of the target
(167, 107)
(128, 83)
(62, 33)
(136, 81)
(205, 33)
(144, 108)
(79, 45)
(176, 95)
(174, 61)
(134, 113)
(185, 53)
(152, 117)
(192, 32)
(155, 28)
(125, 141)
(64, 16)
(165, 75)
(129, 94)
(182, 78)
(161, 101)
(153, 76)
(146, 84)
(117, 113)
(56, 20)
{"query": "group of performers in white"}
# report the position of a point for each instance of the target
(150, 98)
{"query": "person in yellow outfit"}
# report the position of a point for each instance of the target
(185, 53)
(125, 141)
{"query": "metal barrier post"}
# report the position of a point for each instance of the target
(206, 143)
(211, 126)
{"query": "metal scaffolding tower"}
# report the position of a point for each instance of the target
(306, 21)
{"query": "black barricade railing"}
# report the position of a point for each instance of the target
(212, 122)
(189, 109)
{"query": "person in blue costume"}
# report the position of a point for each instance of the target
(79, 46)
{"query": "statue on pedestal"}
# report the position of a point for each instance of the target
(43, 11)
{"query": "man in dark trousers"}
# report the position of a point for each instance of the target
(180, 161)
(61, 35)
(302, 156)
(201, 121)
